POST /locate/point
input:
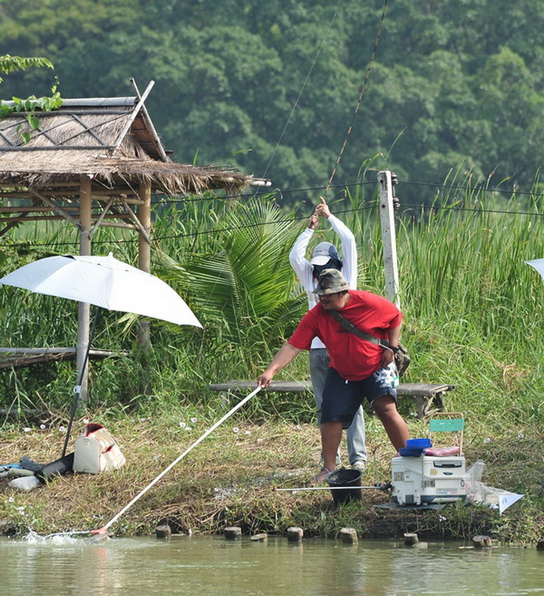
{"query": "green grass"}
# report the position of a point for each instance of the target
(231, 477)
(473, 310)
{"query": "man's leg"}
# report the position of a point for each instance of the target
(356, 438)
(331, 435)
(394, 424)
(319, 364)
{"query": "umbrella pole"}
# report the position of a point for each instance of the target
(77, 388)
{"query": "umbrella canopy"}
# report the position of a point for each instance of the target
(538, 264)
(105, 282)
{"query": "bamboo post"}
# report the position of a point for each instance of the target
(389, 237)
(84, 309)
(144, 263)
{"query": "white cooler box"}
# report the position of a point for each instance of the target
(428, 479)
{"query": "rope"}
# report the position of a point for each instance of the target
(361, 95)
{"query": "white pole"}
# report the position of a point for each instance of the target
(103, 529)
(389, 238)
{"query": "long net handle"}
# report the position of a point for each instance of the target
(103, 529)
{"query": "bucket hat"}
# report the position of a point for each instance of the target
(330, 282)
(323, 253)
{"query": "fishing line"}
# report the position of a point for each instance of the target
(361, 95)
(299, 95)
(104, 529)
(301, 488)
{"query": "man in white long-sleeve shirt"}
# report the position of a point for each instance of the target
(325, 256)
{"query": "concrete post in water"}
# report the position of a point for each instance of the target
(294, 534)
(163, 532)
(232, 533)
(349, 535)
(259, 537)
(482, 541)
(410, 539)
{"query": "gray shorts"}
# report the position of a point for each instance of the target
(342, 398)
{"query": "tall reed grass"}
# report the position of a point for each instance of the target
(473, 308)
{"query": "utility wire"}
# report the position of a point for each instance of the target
(365, 206)
(216, 231)
(186, 199)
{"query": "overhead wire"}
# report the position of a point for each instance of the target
(186, 199)
(365, 206)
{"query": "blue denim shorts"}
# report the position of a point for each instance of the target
(341, 398)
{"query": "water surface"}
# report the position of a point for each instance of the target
(213, 565)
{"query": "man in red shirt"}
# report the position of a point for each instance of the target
(358, 368)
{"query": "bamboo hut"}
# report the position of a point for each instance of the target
(96, 162)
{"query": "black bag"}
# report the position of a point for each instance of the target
(402, 357)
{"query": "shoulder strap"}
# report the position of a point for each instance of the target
(349, 326)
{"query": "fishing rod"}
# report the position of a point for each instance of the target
(384, 487)
(103, 530)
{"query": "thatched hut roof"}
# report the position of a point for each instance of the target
(109, 140)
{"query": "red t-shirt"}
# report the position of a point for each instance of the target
(352, 357)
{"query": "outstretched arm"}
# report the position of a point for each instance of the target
(286, 354)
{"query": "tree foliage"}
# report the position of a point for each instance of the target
(9, 64)
(271, 87)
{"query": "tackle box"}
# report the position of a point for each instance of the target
(428, 479)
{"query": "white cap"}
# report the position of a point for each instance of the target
(323, 253)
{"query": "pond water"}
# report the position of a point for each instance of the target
(213, 565)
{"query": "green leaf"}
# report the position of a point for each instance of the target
(33, 121)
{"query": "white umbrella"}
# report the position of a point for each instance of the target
(538, 264)
(105, 282)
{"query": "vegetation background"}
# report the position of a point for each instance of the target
(453, 105)
(271, 87)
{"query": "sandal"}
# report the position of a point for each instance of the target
(319, 478)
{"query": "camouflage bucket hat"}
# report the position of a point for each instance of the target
(330, 282)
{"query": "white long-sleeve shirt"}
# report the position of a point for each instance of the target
(304, 270)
